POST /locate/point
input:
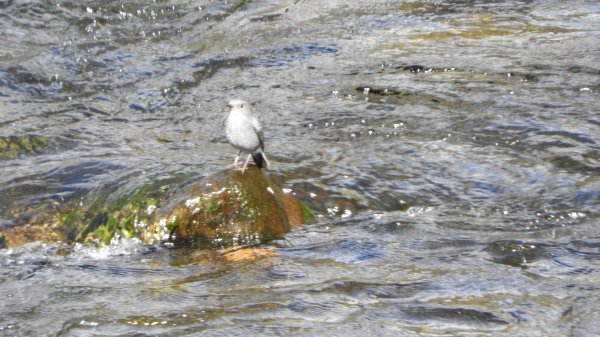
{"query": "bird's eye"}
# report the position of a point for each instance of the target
(241, 106)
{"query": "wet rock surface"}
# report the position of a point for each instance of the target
(228, 209)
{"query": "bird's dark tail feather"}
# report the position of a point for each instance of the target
(259, 160)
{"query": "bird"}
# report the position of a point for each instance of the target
(244, 132)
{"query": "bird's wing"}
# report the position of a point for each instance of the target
(261, 139)
(259, 133)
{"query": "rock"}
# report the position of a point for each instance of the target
(188, 255)
(20, 235)
(246, 254)
(227, 209)
(13, 146)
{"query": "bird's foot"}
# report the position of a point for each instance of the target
(235, 167)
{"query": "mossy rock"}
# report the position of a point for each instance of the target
(228, 209)
(96, 218)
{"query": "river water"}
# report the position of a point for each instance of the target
(450, 150)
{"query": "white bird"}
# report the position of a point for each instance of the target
(244, 132)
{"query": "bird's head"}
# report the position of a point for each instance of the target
(237, 105)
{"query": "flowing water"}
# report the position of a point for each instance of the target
(449, 148)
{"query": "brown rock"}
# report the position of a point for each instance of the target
(228, 209)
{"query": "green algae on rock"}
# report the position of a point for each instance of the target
(109, 217)
(95, 218)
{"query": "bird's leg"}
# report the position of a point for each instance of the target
(235, 162)
(265, 158)
(246, 163)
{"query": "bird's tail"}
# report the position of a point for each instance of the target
(259, 160)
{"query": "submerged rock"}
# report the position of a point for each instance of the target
(227, 209)
(13, 146)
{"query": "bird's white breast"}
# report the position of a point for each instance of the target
(240, 131)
